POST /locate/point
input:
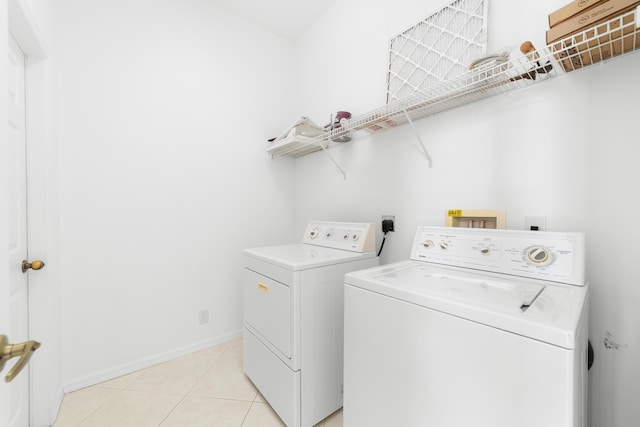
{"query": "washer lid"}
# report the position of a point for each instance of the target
(467, 288)
(545, 311)
(300, 256)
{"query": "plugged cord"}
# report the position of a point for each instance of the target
(387, 226)
(382, 244)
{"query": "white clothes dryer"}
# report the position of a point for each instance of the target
(479, 328)
(293, 302)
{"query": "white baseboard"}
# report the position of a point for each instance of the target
(136, 365)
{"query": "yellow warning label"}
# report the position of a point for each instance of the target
(454, 212)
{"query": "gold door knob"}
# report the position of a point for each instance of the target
(35, 265)
(9, 351)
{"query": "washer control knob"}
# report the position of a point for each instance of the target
(538, 256)
(444, 246)
(485, 250)
(355, 237)
(427, 244)
(314, 233)
(346, 236)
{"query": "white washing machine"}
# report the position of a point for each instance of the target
(480, 328)
(293, 318)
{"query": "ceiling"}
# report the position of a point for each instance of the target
(288, 18)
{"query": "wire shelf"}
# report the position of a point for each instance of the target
(615, 37)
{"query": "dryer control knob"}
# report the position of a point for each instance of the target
(427, 244)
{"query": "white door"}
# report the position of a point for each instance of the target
(16, 294)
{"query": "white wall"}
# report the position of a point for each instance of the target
(163, 111)
(612, 257)
(565, 148)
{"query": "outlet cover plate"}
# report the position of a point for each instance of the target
(535, 221)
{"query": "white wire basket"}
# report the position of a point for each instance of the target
(296, 146)
(603, 41)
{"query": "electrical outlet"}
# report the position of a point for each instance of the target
(391, 218)
(203, 317)
(535, 223)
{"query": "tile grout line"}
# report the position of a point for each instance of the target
(247, 414)
(99, 407)
(172, 409)
(217, 357)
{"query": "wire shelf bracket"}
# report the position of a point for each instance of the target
(337, 166)
(415, 131)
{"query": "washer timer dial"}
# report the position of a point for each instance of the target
(427, 244)
(538, 256)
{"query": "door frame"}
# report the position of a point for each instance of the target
(42, 198)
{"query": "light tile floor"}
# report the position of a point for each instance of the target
(207, 388)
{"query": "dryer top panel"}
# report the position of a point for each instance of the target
(299, 256)
(348, 236)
